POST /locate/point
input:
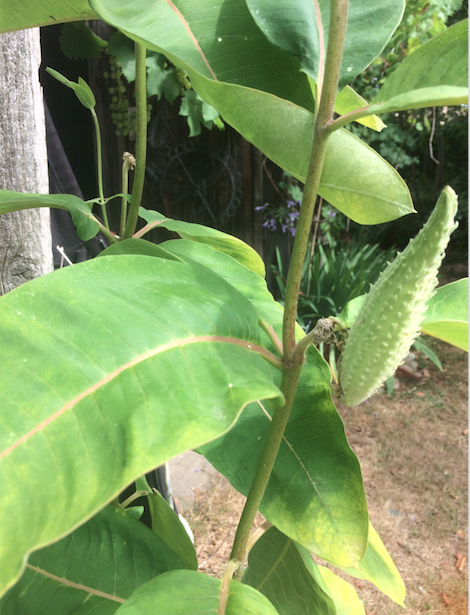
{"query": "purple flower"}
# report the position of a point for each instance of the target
(331, 214)
(290, 204)
(261, 207)
(293, 215)
(292, 230)
(270, 224)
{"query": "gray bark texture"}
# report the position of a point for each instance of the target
(25, 236)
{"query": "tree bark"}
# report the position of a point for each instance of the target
(25, 236)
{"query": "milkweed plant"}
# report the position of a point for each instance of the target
(113, 366)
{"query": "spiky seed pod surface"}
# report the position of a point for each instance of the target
(389, 321)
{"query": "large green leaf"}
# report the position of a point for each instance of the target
(235, 273)
(94, 569)
(315, 494)
(355, 178)
(84, 220)
(301, 27)
(435, 74)
(278, 570)
(228, 244)
(183, 592)
(109, 368)
(216, 38)
(34, 13)
(443, 61)
(316, 476)
(272, 118)
(446, 316)
(378, 568)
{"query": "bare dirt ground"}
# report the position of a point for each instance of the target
(413, 453)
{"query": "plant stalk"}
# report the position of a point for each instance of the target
(100, 167)
(290, 378)
(293, 360)
(337, 32)
(347, 118)
(141, 139)
(127, 164)
(314, 242)
(107, 233)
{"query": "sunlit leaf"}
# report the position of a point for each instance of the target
(343, 594)
(378, 568)
(110, 368)
(228, 244)
(246, 281)
(348, 100)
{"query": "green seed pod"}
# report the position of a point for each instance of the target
(391, 315)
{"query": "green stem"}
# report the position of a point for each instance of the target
(347, 118)
(146, 229)
(107, 233)
(141, 139)
(290, 378)
(314, 242)
(127, 164)
(225, 587)
(294, 359)
(135, 496)
(100, 167)
(338, 22)
(271, 334)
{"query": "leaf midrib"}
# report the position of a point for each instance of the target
(80, 586)
(130, 364)
(307, 474)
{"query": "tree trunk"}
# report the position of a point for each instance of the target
(25, 236)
